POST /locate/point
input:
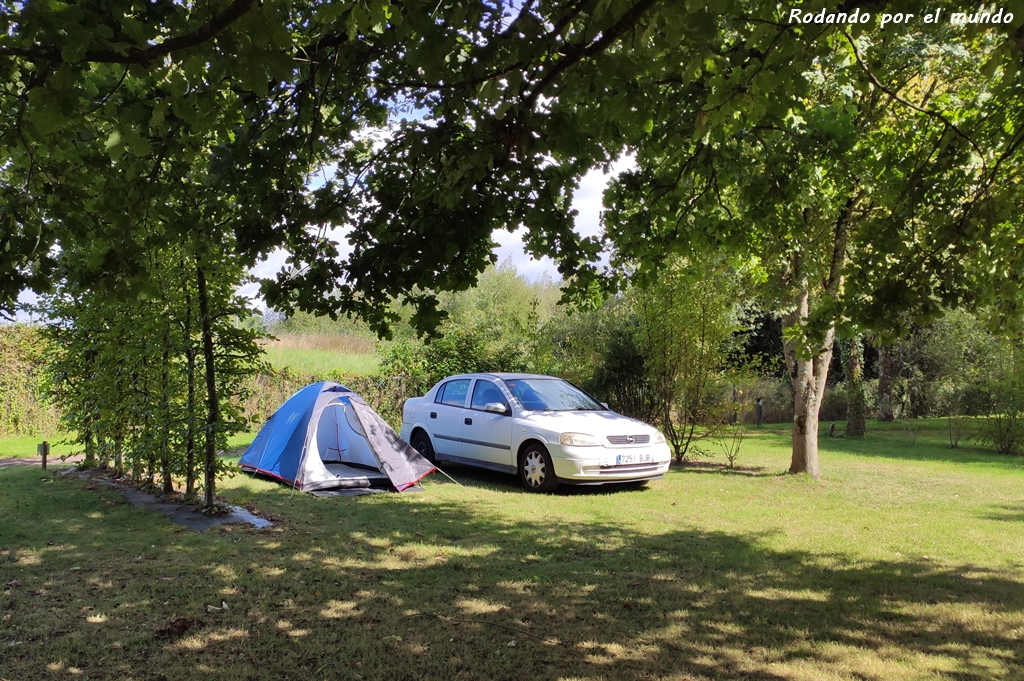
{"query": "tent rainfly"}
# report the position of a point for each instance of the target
(325, 439)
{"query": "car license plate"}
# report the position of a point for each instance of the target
(633, 458)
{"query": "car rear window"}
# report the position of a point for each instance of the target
(453, 393)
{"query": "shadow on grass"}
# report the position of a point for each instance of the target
(723, 469)
(930, 444)
(1007, 512)
(385, 587)
(470, 476)
(478, 477)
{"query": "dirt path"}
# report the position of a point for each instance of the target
(56, 460)
(38, 461)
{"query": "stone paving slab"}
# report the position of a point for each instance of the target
(187, 516)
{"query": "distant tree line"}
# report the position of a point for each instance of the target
(691, 351)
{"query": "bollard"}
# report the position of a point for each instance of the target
(759, 412)
(43, 450)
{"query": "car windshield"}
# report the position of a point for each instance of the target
(550, 394)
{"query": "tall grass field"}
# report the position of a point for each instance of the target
(320, 355)
(904, 561)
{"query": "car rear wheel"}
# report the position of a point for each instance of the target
(536, 470)
(421, 443)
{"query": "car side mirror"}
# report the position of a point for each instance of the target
(605, 405)
(495, 407)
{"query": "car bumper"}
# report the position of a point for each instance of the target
(595, 465)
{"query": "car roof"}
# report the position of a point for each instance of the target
(501, 375)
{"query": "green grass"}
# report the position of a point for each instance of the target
(241, 440)
(320, 363)
(903, 562)
(19, 447)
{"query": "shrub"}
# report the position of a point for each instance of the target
(834, 404)
(267, 391)
(620, 378)
(386, 394)
(1004, 427)
(458, 349)
(776, 400)
(24, 407)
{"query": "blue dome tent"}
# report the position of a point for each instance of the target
(325, 439)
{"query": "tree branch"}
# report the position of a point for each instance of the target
(835, 274)
(145, 57)
(907, 103)
(581, 51)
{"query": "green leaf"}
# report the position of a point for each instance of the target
(138, 145)
(113, 141)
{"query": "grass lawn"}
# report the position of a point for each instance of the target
(903, 562)
(19, 447)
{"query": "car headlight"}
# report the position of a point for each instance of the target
(659, 438)
(579, 440)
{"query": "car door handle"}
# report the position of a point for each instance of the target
(469, 422)
(433, 414)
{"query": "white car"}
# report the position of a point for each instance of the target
(543, 428)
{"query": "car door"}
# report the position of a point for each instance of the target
(445, 417)
(487, 436)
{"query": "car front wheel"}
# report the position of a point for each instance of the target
(421, 443)
(536, 470)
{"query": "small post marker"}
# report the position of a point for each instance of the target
(43, 450)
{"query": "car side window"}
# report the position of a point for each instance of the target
(484, 393)
(453, 393)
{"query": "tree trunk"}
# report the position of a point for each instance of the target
(855, 403)
(212, 403)
(190, 403)
(103, 449)
(87, 435)
(118, 452)
(886, 377)
(808, 366)
(165, 411)
(190, 427)
(809, 375)
(90, 447)
(147, 427)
